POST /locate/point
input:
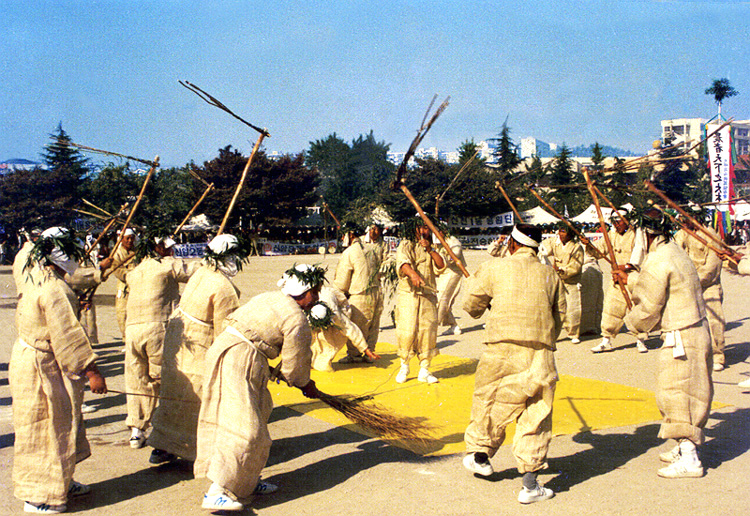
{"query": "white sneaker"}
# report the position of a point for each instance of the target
(43, 508)
(88, 409)
(480, 468)
(718, 367)
(671, 456)
(641, 347)
(78, 489)
(535, 495)
(402, 373)
(745, 384)
(221, 502)
(137, 438)
(456, 330)
(575, 340)
(604, 345)
(682, 469)
(426, 376)
(264, 488)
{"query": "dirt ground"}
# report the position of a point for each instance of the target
(323, 469)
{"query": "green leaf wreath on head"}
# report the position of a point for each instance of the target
(146, 246)
(313, 275)
(652, 218)
(408, 228)
(67, 242)
(320, 316)
(239, 253)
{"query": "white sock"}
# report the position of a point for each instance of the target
(136, 432)
(424, 364)
(215, 489)
(688, 451)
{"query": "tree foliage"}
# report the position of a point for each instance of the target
(353, 176)
(721, 89)
(276, 191)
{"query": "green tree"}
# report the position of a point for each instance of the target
(597, 159)
(276, 191)
(506, 153)
(721, 89)
(112, 187)
(352, 176)
(45, 197)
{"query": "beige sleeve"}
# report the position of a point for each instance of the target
(67, 337)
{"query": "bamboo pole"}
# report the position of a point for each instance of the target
(440, 197)
(499, 186)
(696, 235)
(108, 153)
(606, 199)
(551, 210)
(607, 241)
(135, 206)
(675, 206)
(240, 184)
(106, 228)
(434, 230)
(195, 206)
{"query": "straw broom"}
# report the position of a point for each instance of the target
(372, 417)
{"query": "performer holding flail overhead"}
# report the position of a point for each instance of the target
(667, 297)
(208, 299)
(50, 358)
(154, 294)
(418, 265)
(516, 375)
(233, 438)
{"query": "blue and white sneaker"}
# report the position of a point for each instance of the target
(264, 488)
(221, 502)
(78, 489)
(44, 508)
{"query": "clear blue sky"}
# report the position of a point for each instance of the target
(570, 71)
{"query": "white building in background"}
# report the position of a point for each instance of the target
(691, 130)
(530, 146)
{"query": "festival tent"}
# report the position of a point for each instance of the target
(199, 223)
(538, 216)
(741, 210)
(589, 215)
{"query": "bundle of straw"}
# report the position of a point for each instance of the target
(378, 420)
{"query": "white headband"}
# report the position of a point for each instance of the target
(57, 256)
(523, 239)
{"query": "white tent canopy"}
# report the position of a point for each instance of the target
(538, 216)
(589, 215)
(742, 210)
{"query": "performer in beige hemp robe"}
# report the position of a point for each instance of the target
(50, 355)
(708, 264)
(417, 264)
(449, 286)
(233, 438)
(516, 375)
(566, 257)
(335, 330)
(123, 263)
(209, 297)
(358, 277)
(622, 237)
(667, 297)
(154, 294)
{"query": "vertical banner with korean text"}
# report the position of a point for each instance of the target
(721, 171)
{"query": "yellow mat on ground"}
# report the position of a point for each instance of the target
(581, 404)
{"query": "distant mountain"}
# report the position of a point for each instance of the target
(584, 151)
